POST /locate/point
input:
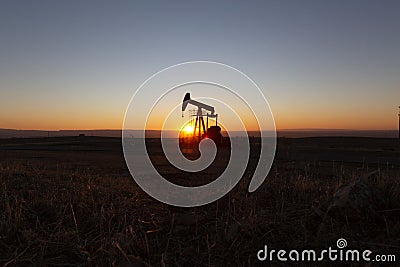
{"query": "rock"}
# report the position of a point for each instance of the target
(355, 201)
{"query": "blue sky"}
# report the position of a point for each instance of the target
(321, 64)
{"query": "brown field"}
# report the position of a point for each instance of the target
(71, 201)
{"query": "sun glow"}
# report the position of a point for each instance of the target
(188, 129)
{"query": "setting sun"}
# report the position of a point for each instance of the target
(188, 129)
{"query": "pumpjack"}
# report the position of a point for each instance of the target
(201, 131)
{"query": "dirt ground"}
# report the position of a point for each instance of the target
(71, 201)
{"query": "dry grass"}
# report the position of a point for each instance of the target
(84, 209)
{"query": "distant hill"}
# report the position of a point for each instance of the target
(11, 133)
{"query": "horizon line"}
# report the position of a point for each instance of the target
(284, 129)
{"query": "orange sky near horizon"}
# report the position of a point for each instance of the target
(320, 65)
(296, 119)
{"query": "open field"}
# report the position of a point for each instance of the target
(71, 201)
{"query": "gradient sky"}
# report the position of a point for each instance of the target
(321, 64)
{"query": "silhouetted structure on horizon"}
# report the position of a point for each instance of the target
(200, 130)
